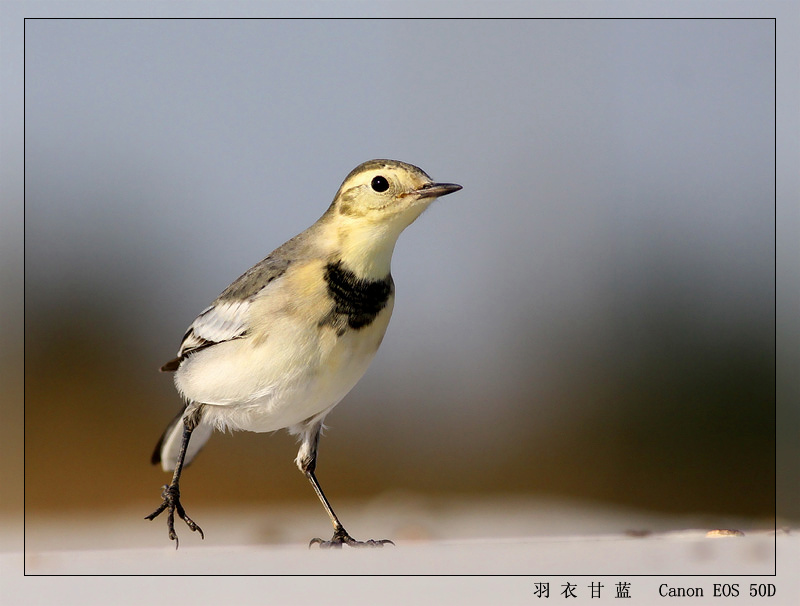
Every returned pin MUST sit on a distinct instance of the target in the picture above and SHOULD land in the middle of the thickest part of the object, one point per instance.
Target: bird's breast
(306, 348)
(355, 302)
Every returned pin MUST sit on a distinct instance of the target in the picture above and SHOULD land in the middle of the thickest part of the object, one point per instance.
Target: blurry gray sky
(166, 157)
(618, 204)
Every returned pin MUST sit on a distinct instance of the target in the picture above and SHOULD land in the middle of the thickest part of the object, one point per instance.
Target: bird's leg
(307, 462)
(171, 493)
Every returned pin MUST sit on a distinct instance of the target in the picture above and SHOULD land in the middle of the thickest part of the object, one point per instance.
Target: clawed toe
(172, 503)
(340, 537)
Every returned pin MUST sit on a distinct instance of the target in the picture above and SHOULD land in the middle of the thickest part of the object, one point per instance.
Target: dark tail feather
(172, 365)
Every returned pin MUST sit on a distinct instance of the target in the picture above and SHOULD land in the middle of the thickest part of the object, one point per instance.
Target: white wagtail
(283, 344)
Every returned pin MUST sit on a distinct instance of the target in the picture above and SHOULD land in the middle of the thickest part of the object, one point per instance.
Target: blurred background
(591, 320)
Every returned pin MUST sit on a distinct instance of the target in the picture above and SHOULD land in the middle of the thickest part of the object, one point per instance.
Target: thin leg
(307, 462)
(171, 493)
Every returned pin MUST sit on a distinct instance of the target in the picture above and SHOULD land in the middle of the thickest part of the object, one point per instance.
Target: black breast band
(356, 301)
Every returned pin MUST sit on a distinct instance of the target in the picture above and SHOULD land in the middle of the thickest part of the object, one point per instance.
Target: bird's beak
(434, 190)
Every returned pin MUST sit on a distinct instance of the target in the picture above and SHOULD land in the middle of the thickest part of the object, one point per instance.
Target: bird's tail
(169, 445)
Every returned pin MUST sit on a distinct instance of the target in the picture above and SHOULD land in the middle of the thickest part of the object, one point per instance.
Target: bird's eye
(380, 184)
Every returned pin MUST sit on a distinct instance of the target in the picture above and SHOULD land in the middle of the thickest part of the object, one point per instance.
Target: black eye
(380, 184)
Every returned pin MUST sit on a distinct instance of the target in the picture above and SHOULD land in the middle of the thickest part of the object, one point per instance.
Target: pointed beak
(434, 190)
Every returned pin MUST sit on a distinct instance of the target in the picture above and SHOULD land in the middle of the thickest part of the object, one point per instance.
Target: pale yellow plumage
(282, 345)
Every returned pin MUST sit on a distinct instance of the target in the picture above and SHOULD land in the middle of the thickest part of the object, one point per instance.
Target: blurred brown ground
(94, 407)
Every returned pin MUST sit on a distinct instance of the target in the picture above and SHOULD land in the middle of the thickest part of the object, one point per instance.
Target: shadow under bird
(283, 344)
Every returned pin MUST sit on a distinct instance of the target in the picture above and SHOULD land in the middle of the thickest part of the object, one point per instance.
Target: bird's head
(388, 191)
(374, 204)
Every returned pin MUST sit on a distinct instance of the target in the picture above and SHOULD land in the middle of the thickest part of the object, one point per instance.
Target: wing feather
(220, 322)
(223, 321)
(227, 317)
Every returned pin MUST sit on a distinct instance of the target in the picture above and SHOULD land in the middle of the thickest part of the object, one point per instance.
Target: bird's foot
(340, 537)
(172, 503)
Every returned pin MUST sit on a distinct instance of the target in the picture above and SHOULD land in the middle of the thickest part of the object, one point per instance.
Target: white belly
(296, 373)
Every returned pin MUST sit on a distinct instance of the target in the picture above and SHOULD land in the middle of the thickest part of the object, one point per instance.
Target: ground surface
(455, 553)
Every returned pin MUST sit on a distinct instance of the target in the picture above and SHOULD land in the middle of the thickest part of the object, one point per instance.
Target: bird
(284, 343)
